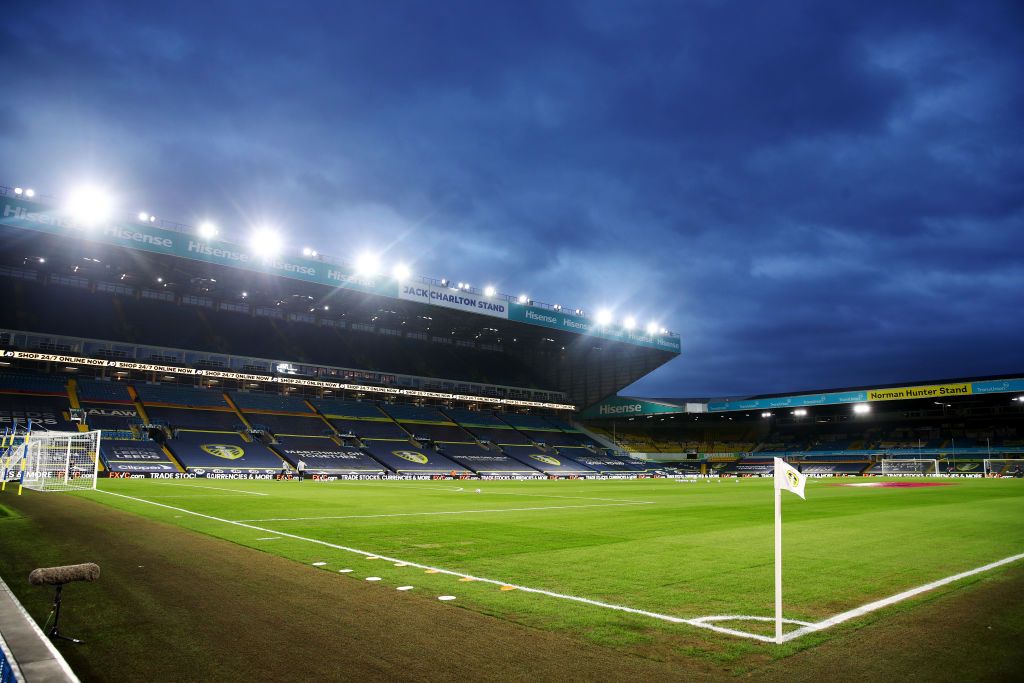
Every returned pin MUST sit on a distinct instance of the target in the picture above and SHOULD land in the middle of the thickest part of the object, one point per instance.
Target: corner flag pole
(778, 564)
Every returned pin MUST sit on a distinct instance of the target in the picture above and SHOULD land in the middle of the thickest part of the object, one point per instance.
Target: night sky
(812, 194)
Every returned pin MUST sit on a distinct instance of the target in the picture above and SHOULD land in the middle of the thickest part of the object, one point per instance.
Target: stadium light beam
(207, 230)
(604, 317)
(90, 205)
(265, 242)
(652, 328)
(401, 272)
(367, 264)
(629, 322)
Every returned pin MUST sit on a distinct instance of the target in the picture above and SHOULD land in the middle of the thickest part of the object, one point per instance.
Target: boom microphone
(58, 576)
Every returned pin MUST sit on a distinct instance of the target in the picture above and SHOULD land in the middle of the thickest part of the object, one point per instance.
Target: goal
(910, 467)
(59, 461)
(1004, 467)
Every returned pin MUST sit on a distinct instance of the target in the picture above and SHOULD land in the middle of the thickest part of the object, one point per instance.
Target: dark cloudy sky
(813, 194)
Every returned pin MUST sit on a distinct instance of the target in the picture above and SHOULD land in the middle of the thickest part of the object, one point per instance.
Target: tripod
(53, 633)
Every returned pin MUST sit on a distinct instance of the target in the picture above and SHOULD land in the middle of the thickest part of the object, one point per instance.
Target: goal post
(910, 467)
(60, 461)
(1004, 467)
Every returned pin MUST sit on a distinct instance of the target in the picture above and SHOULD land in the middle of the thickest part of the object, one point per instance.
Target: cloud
(811, 194)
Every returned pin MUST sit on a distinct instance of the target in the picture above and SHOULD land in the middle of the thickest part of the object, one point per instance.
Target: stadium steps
(72, 387)
(321, 416)
(231, 402)
(171, 457)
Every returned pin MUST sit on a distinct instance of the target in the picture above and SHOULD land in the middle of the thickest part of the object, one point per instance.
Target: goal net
(1004, 467)
(59, 461)
(910, 467)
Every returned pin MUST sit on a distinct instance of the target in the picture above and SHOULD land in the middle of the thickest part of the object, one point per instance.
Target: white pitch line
(699, 622)
(459, 489)
(893, 599)
(446, 512)
(217, 488)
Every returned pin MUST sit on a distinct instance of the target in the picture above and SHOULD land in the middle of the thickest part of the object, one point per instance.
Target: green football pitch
(611, 558)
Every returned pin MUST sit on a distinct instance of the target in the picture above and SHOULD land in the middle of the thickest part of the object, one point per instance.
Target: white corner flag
(786, 478)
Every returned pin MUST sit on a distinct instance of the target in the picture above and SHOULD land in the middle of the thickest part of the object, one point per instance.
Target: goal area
(54, 461)
(910, 467)
(1004, 467)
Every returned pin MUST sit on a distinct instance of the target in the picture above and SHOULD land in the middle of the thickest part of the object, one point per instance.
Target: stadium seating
(323, 455)
(174, 395)
(370, 429)
(50, 412)
(33, 383)
(485, 461)
(289, 424)
(549, 463)
(338, 408)
(222, 450)
(103, 391)
(195, 418)
(600, 462)
(402, 456)
(135, 456)
(473, 418)
(118, 417)
(249, 401)
(499, 436)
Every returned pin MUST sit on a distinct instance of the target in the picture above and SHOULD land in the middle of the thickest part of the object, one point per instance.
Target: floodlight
(523, 298)
(306, 251)
(29, 192)
(152, 219)
(18, 191)
(444, 282)
(557, 307)
(663, 331)
(862, 408)
(629, 322)
(42, 260)
(766, 414)
(265, 242)
(159, 279)
(652, 328)
(327, 308)
(207, 230)
(245, 294)
(800, 412)
(90, 205)
(143, 216)
(401, 272)
(604, 317)
(490, 291)
(367, 264)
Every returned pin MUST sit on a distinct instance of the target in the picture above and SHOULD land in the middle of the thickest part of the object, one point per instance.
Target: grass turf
(681, 549)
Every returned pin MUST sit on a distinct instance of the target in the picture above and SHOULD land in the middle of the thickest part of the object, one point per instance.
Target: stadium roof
(616, 406)
(570, 352)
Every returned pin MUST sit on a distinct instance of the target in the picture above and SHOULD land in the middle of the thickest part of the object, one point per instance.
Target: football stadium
(288, 465)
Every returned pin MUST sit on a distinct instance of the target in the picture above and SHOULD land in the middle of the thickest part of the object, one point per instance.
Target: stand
(53, 633)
